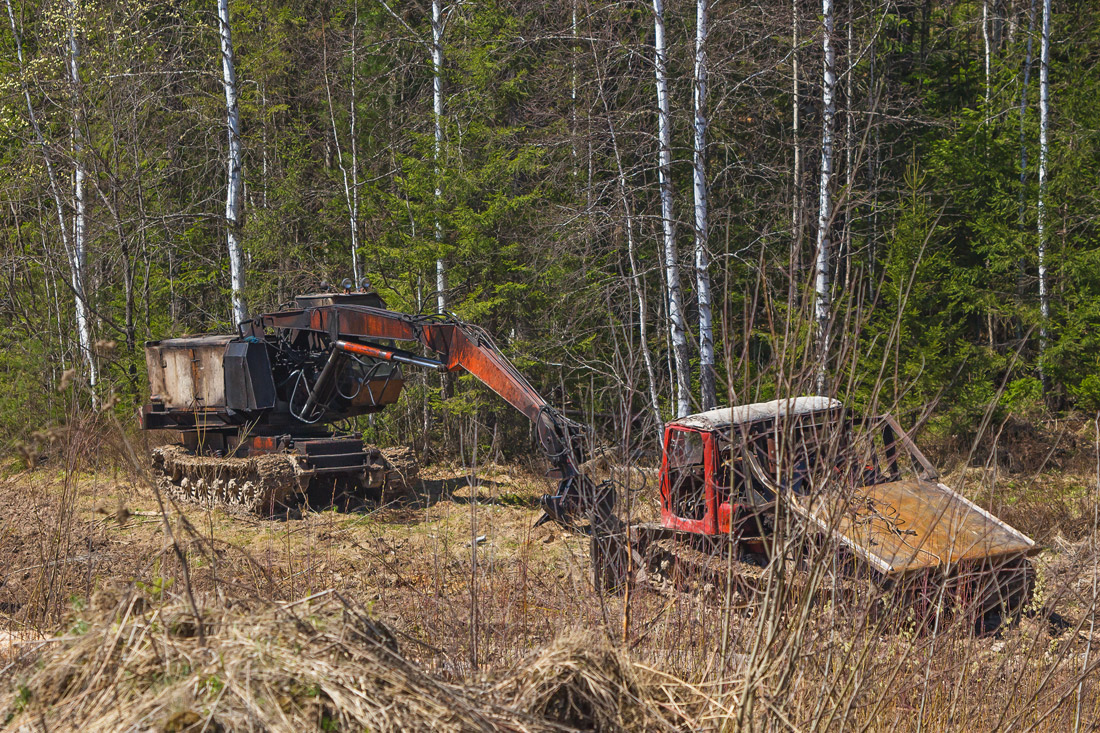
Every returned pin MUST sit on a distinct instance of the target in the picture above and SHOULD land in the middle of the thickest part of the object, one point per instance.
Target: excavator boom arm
(460, 346)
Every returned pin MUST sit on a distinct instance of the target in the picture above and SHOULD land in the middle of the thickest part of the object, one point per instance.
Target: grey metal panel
(249, 384)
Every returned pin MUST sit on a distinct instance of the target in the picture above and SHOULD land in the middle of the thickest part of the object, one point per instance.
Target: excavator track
(400, 469)
(668, 559)
(689, 568)
(684, 562)
(257, 484)
(264, 484)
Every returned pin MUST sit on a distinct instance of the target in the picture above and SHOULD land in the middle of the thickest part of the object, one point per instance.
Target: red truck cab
(704, 483)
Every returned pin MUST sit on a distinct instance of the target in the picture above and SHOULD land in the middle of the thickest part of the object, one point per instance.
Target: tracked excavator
(254, 411)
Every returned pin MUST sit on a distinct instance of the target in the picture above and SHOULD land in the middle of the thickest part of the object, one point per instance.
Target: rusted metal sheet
(187, 373)
(905, 522)
(902, 526)
(378, 393)
(343, 321)
(459, 345)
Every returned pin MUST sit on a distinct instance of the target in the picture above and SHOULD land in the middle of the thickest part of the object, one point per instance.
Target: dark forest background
(548, 166)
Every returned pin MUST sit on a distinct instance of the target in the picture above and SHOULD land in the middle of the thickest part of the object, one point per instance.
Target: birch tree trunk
(573, 93)
(638, 285)
(636, 282)
(1021, 286)
(986, 54)
(875, 161)
(233, 190)
(437, 112)
(1023, 108)
(849, 145)
(677, 331)
(351, 188)
(796, 206)
(78, 253)
(822, 284)
(702, 257)
(1044, 122)
(83, 334)
(356, 270)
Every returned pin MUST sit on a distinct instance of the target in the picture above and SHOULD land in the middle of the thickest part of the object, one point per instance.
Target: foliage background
(935, 270)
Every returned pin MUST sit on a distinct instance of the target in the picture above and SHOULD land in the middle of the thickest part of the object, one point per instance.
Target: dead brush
(318, 663)
(580, 681)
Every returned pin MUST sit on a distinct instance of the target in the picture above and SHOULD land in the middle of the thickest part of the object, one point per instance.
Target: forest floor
(470, 590)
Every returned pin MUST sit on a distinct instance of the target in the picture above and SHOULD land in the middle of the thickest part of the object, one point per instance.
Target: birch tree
(1023, 109)
(573, 92)
(233, 190)
(986, 54)
(437, 114)
(1021, 265)
(677, 330)
(75, 250)
(702, 257)
(822, 279)
(78, 253)
(351, 187)
(796, 133)
(849, 145)
(435, 50)
(631, 250)
(1044, 123)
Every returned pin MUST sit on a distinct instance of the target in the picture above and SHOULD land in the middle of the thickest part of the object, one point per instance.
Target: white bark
(636, 282)
(849, 173)
(354, 160)
(233, 190)
(75, 262)
(986, 53)
(1021, 277)
(822, 284)
(677, 331)
(796, 206)
(1023, 108)
(351, 187)
(635, 274)
(437, 112)
(78, 254)
(573, 92)
(1044, 122)
(263, 143)
(38, 134)
(702, 257)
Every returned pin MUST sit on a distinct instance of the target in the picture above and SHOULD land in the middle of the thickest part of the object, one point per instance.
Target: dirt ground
(448, 568)
(470, 588)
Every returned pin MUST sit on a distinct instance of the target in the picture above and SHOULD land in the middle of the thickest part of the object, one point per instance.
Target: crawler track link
(266, 484)
(258, 484)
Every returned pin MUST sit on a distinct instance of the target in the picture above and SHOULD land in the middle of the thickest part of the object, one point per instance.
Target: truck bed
(904, 526)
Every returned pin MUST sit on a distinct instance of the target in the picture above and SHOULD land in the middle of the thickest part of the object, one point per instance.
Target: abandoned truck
(860, 483)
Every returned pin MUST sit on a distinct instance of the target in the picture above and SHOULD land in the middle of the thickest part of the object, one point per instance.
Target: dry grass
(140, 663)
(505, 634)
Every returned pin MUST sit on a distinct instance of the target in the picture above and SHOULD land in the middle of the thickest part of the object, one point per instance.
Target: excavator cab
(712, 474)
